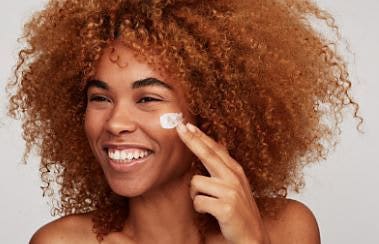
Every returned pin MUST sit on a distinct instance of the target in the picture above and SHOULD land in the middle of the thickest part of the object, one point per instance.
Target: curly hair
(258, 77)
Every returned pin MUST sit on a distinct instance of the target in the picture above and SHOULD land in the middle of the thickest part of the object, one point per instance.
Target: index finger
(207, 155)
(220, 150)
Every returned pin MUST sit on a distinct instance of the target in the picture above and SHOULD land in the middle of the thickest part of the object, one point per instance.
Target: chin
(127, 189)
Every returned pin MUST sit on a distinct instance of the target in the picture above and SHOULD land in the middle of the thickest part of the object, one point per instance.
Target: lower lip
(127, 167)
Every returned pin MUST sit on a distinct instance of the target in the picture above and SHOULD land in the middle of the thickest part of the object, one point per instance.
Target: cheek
(92, 124)
(167, 138)
(152, 122)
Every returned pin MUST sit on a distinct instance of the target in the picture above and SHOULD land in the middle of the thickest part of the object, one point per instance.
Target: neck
(165, 215)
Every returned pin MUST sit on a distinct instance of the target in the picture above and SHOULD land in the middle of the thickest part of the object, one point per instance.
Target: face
(124, 103)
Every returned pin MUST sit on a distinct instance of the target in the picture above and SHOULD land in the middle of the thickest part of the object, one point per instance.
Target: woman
(252, 80)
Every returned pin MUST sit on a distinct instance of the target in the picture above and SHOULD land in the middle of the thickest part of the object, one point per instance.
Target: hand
(228, 195)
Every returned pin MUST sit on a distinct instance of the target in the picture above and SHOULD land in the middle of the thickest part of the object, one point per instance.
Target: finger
(213, 206)
(210, 186)
(219, 149)
(238, 176)
(205, 204)
(212, 162)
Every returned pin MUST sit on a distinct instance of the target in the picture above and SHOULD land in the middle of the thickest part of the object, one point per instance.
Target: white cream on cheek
(170, 120)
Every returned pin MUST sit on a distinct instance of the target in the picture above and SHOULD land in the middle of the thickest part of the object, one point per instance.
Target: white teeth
(117, 155)
(129, 156)
(123, 154)
(126, 155)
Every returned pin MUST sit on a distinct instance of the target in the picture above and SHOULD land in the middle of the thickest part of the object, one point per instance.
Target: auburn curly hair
(255, 73)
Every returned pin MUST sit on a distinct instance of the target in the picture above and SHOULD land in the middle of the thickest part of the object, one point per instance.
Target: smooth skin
(163, 184)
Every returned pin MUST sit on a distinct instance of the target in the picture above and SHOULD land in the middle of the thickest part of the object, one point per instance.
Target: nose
(120, 121)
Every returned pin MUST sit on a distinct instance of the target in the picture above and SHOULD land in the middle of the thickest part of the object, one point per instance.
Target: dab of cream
(170, 120)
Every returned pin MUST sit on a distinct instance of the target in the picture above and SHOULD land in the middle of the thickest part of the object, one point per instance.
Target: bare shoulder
(69, 229)
(295, 223)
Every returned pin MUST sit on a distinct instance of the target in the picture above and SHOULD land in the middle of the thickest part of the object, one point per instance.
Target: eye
(96, 98)
(148, 99)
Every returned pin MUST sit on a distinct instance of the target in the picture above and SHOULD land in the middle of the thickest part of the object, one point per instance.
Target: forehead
(119, 63)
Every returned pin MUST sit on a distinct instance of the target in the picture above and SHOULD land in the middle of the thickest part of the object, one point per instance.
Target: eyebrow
(150, 81)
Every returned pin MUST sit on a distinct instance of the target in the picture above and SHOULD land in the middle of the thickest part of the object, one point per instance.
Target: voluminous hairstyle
(256, 75)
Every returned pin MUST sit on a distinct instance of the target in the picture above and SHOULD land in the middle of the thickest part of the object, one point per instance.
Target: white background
(342, 191)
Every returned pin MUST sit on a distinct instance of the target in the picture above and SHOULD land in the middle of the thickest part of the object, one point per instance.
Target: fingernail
(181, 127)
(191, 127)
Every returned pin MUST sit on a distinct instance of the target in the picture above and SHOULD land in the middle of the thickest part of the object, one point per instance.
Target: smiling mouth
(127, 155)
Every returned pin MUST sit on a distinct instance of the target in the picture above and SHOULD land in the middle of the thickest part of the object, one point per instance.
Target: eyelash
(149, 99)
(142, 100)
(98, 99)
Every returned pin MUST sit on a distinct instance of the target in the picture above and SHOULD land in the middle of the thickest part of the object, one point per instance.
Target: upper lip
(121, 146)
